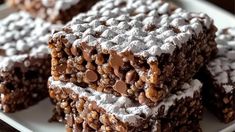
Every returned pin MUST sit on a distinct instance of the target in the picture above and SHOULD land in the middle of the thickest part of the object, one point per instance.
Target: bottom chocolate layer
(87, 110)
(24, 84)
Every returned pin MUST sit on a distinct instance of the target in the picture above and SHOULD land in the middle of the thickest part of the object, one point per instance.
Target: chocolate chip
(130, 76)
(117, 73)
(86, 55)
(115, 60)
(120, 87)
(91, 76)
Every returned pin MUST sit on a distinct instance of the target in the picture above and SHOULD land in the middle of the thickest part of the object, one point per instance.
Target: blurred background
(228, 5)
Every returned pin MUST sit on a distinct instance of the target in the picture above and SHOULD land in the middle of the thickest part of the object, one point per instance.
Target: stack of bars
(25, 58)
(127, 65)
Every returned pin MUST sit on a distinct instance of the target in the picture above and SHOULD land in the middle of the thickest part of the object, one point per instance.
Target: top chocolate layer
(223, 66)
(147, 28)
(22, 37)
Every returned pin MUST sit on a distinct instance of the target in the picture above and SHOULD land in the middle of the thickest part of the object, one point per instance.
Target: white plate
(36, 117)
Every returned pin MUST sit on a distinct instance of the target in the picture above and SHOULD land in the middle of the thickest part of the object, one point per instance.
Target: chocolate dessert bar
(55, 11)
(90, 110)
(219, 78)
(24, 61)
(142, 49)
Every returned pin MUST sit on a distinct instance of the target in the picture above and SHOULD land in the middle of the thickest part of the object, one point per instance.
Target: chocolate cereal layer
(219, 78)
(90, 110)
(55, 11)
(139, 49)
(24, 61)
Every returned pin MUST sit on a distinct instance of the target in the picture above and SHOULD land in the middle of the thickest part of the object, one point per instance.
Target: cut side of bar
(88, 110)
(25, 61)
(55, 11)
(219, 78)
(139, 49)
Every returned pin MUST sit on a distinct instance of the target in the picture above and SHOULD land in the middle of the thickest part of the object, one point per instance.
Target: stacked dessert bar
(142, 54)
(126, 65)
(219, 78)
(25, 58)
(89, 110)
(55, 11)
(25, 61)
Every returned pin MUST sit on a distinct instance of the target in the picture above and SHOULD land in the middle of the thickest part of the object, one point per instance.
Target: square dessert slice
(142, 49)
(219, 78)
(24, 61)
(55, 11)
(90, 110)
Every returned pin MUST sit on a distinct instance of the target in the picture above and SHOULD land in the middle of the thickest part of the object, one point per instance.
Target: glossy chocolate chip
(120, 86)
(86, 55)
(116, 61)
(130, 76)
(91, 76)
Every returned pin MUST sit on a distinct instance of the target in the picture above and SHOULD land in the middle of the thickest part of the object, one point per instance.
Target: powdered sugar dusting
(122, 107)
(22, 36)
(129, 27)
(223, 67)
(228, 88)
